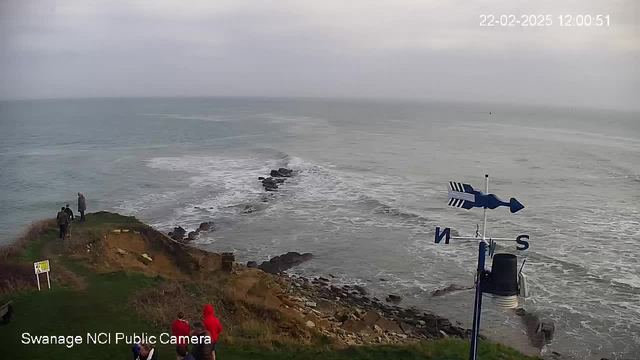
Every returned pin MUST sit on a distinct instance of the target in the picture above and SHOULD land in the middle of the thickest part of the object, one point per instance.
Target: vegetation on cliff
(103, 283)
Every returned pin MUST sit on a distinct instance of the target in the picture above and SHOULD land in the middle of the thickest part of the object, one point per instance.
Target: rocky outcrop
(539, 331)
(178, 233)
(228, 258)
(252, 265)
(270, 184)
(355, 318)
(206, 226)
(394, 298)
(282, 172)
(284, 262)
(276, 177)
(450, 289)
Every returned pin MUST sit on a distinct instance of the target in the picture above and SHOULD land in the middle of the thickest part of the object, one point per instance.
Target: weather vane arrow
(464, 196)
(502, 280)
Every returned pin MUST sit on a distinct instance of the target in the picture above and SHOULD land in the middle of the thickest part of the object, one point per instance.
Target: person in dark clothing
(69, 212)
(183, 354)
(201, 350)
(62, 219)
(136, 351)
(148, 352)
(82, 206)
(71, 218)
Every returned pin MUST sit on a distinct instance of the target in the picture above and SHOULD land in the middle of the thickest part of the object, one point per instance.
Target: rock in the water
(394, 298)
(360, 289)
(252, 265)
(282, 172)
(206, 226)
(192, 235)
(285, 172)
(548, 328)
(178, 233)
(449, 289)
(248, 209)
(284, 262)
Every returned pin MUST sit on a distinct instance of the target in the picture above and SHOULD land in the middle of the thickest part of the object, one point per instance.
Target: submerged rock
(450, 289)
(252, 265)
(394, 298)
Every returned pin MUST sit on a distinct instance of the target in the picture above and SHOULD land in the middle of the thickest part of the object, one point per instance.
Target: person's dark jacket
(69, 213)
(155, 355)
(202, 351)
(82, 203)
(62, 218)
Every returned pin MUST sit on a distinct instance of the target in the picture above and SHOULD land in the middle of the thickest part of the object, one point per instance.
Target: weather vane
(503, 281)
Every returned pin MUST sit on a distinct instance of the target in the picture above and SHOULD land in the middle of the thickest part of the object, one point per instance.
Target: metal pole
(484, 222)
(38, 280)
(477, 307)
(48, 280)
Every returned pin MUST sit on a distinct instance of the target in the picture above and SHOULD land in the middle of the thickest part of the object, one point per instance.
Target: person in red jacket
(212, 325)
(180, 327)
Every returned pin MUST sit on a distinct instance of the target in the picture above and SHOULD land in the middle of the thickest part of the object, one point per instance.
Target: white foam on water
(216, 184)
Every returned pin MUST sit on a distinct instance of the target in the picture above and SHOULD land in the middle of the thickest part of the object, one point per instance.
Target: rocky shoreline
(348, 313)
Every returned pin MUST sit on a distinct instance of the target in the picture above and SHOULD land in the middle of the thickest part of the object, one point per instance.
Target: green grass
(104, 307)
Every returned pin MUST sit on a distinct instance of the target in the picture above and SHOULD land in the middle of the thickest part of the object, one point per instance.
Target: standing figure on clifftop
(201, 349)
(213, 326)
(181, 330)
(62, 219)
(71, 218)
(82, 206)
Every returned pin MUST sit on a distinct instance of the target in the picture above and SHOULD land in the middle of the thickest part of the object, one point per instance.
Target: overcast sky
(429, 49)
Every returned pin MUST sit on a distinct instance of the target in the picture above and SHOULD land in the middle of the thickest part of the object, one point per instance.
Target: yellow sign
(41, 266)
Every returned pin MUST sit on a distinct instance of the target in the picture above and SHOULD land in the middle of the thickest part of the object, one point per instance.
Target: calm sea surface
(370, 189)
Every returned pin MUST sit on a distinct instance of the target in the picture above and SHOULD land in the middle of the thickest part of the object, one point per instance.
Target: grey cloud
(402, 49)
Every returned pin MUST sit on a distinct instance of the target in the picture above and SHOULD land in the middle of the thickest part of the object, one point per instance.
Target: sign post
(42, 267)
(464, 196)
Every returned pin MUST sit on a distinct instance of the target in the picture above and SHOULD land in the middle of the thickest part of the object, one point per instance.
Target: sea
(369, 189)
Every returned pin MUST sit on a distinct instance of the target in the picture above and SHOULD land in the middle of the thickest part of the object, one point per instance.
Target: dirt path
(61, 275)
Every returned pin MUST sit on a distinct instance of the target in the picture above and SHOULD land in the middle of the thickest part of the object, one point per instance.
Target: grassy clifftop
(102, 283)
